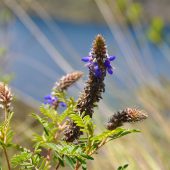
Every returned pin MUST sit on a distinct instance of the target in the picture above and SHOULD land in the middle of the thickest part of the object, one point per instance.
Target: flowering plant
(68, 138)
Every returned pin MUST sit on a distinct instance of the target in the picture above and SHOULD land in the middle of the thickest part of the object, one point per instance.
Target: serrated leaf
(69, 162)
(113, 134)
(87, 156)
(20, 158)
(49, 112)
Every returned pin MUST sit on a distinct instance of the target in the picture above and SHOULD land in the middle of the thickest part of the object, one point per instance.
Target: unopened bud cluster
(5, 97)
(66, 81)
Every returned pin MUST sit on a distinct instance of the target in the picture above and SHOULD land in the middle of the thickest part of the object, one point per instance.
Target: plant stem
(48, 157)
(58, 165)
(99, 146)
(6, 113)
(77, 165)
(5, 151)
(7, 159)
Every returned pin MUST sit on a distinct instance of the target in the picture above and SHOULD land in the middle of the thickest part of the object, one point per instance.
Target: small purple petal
(62, 104)
(109, 70)
(86, 59)
(107, 63)
(97, 71)
(95, 64)
(111, 58)
(47, 97)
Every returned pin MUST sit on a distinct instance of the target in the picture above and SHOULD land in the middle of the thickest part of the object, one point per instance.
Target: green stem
(6, 113)
(7, 159)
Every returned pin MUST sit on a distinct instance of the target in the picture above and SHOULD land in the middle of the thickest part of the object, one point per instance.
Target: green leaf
(69, 162)
(43, 122)
(49, 112)
(87, 156)
(113, 134)
(20, 158)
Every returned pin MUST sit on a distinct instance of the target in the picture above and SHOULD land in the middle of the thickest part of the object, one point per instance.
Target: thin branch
(7, 159)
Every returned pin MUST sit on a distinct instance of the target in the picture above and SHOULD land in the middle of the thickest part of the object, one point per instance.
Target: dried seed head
(126, 115)
(5, 97)
(71, 132)
(67, 81)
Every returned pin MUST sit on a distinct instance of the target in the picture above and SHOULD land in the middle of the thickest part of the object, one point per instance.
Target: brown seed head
(67, 81)
(124, 116)
(5, 96)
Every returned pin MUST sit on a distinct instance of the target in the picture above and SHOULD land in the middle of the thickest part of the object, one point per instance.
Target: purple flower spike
(86, 59)
(111, 58)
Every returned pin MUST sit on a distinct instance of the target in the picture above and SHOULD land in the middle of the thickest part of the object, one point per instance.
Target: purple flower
(97, 71)
(52, 100)
(49, 99)
(92, 64)
(62, 104)
(86, 59)
(111, 58)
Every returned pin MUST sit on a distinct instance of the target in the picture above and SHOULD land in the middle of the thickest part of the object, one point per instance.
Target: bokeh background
(41, 40)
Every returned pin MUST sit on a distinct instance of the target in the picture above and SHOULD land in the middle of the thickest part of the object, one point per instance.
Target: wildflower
(53, 101)
(5, 97)
(98, 63)
(124, 116)
(49, 99)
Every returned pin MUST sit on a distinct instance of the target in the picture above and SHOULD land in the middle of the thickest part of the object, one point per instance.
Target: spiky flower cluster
(98, 64)
(65, 82)
(124, 116)
(5, 97)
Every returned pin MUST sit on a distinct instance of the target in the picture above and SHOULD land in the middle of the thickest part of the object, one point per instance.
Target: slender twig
(5, 151)
(77, 165)
(7, 159)
(98, 147)
(58, 165)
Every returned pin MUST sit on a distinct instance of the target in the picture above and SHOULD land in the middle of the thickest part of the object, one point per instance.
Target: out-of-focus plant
(68, 130)
(156, 30)
(131, 11)
(3, 77)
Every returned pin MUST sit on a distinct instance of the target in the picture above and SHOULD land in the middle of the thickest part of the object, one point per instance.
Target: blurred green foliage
(156, 30)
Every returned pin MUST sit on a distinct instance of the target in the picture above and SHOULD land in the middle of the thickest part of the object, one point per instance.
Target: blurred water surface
(35, 71)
